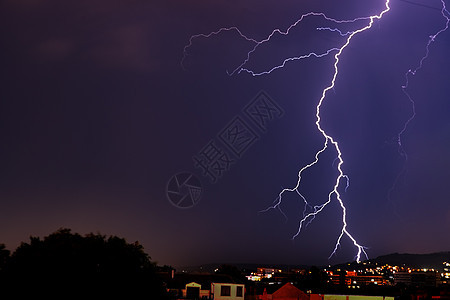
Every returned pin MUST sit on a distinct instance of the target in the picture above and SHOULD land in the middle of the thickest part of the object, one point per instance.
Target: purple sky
(97, 115)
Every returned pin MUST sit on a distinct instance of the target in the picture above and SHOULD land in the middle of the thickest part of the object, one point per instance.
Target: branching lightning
(328, 139)
(257, 44)
(411, 72)
(341, 180)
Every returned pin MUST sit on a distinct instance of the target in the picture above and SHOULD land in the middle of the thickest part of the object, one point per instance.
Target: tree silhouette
(4, 256)
(67, 264)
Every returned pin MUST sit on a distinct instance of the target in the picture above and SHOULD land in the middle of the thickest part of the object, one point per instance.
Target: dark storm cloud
(97, 115)
(113, 35)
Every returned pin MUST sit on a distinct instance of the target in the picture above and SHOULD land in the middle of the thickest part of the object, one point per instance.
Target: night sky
(97, 115)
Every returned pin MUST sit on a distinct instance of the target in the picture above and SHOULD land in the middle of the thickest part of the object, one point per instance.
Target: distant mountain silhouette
(210, 268)
(431, 260)
(418, 261)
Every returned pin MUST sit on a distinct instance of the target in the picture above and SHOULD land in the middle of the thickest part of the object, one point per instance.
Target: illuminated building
(446, 273)
(194, 290)
(417, 278)
(355, 280)
(267, 272)
(221, 291)
(199, 286)
(253, 277)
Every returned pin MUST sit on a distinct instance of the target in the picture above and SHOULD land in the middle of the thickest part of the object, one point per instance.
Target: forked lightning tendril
(362, 24)
(411, 72)
(329, 141)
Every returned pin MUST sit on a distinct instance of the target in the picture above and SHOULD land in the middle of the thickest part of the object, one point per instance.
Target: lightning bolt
(329, 142)
(257, 44)
(412, 72)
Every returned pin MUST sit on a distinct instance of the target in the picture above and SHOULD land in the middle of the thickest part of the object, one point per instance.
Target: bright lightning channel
(329, 141)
